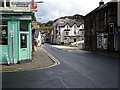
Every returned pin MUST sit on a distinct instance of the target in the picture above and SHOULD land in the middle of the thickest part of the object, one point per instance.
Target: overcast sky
(52, 9)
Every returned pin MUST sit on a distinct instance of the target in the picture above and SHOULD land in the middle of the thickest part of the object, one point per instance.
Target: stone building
(101, 29)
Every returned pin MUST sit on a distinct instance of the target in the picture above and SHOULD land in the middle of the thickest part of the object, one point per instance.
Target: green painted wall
(16, 39)
(3, 51)
(9, 49)
(30, 42)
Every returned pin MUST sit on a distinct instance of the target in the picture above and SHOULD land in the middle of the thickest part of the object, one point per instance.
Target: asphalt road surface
(77, 70)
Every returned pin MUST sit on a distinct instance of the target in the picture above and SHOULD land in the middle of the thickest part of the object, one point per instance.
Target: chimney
(101, 3)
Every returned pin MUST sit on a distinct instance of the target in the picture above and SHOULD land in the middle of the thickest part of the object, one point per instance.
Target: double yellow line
(56, 62)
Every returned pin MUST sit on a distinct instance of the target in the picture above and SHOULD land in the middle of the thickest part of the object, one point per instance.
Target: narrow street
(76, 70)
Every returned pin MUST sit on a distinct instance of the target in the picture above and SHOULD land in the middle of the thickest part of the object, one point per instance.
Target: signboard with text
(16, 17)
(21, 4)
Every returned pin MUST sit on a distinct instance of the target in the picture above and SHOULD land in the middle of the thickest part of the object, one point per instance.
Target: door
(24, 46)
(74, 39)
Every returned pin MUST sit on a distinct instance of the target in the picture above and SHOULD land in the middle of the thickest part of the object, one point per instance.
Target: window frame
(75, 33)
(7, 34)
(67, 33)
(2, 4)
(27, 27)
(9, 4)
(75, 26)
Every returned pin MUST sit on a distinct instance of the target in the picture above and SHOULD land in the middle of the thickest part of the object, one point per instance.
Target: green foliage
(45, 29)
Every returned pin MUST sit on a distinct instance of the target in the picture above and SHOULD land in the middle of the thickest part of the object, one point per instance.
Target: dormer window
(1, 3)
(75, 27)
(67, 27)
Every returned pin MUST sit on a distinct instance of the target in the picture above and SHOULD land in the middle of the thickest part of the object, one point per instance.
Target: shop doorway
(24, 46)
(74, 39)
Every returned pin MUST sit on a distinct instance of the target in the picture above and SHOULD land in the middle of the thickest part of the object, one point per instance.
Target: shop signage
(24, 17)
(21, 4)
(4, 17)
(16, 17)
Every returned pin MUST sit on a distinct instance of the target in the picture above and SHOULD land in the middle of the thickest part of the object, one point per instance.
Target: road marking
(53, 58)
(56, 62)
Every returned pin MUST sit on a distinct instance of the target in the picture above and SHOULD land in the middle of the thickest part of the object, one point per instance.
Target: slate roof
(63, 22)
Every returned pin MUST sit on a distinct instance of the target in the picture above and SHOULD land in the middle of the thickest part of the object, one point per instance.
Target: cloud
(52, 9)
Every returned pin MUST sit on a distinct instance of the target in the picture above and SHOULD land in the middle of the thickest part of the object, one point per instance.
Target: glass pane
(23, 27)
(1, 3)
(23, 41)
(4, 22)
(3, 35)
(7, 3)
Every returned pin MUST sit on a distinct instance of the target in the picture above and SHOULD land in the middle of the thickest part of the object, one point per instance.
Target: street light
(39, 2)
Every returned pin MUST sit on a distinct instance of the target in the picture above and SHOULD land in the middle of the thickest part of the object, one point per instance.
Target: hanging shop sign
(34, 7)
(21, 4)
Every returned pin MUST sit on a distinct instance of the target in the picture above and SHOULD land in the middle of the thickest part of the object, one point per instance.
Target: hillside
(48, 26)
(77, 17)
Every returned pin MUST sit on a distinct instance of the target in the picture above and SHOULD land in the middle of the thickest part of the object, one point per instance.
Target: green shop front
(15, 37)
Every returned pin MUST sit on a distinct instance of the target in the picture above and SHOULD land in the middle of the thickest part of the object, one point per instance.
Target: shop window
(23, 27)
(1, 3)
(7, 3)
(3, 33)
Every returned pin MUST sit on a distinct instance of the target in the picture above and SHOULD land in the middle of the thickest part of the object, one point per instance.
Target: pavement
(40, 61)
(78, 50)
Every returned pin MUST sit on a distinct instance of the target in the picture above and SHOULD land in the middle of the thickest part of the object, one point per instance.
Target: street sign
(33, 7)
(32, 3)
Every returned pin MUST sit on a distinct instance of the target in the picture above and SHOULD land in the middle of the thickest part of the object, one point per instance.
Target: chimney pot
(101, 2)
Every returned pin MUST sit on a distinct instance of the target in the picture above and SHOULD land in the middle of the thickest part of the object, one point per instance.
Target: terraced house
(15, 31)
(67, 31)
(101, 29)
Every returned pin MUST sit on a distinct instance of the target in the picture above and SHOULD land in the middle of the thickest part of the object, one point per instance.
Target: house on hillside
(67, 31)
